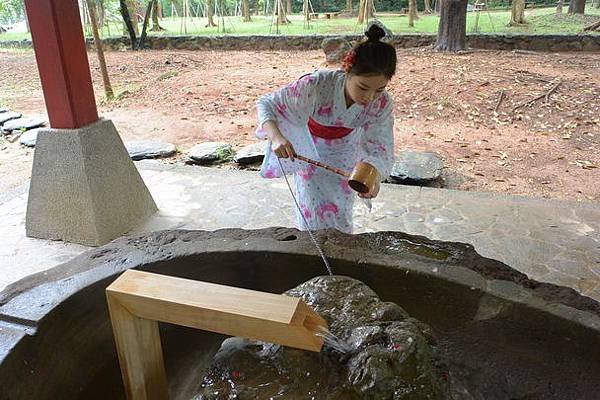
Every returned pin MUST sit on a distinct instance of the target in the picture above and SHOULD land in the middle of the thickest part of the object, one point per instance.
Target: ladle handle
(324, 166)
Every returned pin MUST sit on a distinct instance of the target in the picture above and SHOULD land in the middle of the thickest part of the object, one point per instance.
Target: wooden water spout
(138, 300)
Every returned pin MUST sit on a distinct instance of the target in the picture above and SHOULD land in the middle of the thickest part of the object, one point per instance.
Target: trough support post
(138, 300)
(140, 354)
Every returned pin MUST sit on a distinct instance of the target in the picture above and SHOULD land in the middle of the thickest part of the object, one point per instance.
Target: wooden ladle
(362, 179)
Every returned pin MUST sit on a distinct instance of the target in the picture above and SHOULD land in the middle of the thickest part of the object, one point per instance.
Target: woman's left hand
(372, 194)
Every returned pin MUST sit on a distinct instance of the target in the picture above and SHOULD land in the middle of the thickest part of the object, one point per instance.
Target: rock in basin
(381, 353)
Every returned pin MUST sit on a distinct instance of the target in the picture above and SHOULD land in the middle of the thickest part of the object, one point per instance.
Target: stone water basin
(502, 335)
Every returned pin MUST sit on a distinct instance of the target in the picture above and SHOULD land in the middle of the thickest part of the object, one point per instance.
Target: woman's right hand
(282, 147)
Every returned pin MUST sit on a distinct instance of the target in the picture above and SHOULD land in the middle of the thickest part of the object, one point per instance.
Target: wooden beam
(62, 62)
(140, 354)
(137, 300)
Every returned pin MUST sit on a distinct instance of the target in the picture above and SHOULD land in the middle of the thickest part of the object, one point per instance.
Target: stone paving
(551, 241)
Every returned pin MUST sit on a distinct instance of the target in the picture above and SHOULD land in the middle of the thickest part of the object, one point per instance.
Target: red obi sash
(327, 132)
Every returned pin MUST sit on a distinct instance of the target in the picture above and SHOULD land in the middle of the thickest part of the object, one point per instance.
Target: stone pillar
(84, 186)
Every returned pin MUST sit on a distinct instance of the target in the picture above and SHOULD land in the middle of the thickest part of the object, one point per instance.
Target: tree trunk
(246, 11)
(576, 7)
(453, 26)
(349, 7)
(132, 10)
(289, 7)
(281, 17)
(412, 12)
(155, 15)
(99, 50)
(140, 44)
(517, 15)
(128, 24)
(361, 11)
(438, 6)
(427, 7)
(101, 13)
(210, 10)
(559, 7)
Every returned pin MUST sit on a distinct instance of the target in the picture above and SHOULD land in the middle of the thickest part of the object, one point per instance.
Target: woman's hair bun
(374, 33)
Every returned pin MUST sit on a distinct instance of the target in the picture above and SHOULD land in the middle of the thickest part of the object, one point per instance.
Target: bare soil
(448, 104)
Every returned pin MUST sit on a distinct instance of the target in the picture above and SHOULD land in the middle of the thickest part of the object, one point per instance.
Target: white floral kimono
(325, 198)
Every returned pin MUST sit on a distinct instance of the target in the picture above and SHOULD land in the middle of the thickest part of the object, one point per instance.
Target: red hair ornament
(349, 61)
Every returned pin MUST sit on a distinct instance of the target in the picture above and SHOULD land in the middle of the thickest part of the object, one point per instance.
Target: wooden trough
(138, 300)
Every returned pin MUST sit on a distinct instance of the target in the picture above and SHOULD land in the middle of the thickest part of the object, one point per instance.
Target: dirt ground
(448, 104)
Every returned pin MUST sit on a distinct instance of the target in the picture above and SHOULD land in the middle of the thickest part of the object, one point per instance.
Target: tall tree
(108, 91)
(128, 24)
(156, 13)
(452, 27)
(576, 7)
(349, 7)
(427, 7)
(133, 14)
(412, 12)
(365, 10)
(517, 14)
(140, 44)
(361, 11)
(100, 12)
(281, 15)
(210, 11)
(559, 7)
(289, 7)
(246, 11)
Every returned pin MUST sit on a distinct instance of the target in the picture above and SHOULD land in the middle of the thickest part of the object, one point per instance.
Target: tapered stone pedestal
(84, 186)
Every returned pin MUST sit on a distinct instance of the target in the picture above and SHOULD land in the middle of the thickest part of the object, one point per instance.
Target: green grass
(14, 36)
(541, 20)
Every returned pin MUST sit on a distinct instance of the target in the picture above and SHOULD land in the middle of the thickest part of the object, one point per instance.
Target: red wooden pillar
(62, 62)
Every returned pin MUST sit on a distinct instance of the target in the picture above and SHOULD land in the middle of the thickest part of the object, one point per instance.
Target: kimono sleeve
(377, 141)
(293, 104)
(290, 107)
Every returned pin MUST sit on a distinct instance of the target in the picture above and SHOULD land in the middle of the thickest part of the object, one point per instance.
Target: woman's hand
(373, 193)
(280, 145)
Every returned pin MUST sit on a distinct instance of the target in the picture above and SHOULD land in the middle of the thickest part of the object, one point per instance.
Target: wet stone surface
(376, 351)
